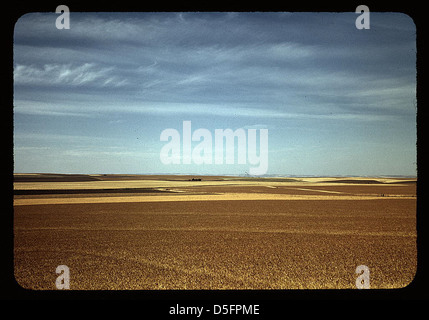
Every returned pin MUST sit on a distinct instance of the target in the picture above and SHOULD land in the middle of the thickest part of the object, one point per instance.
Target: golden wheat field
(135, 232)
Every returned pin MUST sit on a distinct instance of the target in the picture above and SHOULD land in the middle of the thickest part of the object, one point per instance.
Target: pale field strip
(326, 191)
(174, 184)
(193, 197)
(162, 185)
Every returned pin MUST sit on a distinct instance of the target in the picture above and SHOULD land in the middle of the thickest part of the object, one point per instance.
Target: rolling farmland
(128, 232)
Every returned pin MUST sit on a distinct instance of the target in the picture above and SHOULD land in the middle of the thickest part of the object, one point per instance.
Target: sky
(333, 99)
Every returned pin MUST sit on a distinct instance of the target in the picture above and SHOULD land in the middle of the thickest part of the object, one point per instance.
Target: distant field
(126, 232)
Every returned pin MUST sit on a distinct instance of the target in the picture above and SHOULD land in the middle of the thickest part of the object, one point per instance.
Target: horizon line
(226, 175)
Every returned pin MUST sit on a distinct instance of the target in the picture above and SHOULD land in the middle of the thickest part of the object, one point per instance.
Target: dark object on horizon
(195, 179)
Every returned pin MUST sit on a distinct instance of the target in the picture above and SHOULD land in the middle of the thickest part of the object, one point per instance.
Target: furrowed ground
(146, 232)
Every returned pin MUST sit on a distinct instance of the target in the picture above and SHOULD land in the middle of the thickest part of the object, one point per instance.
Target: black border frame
(271, 302)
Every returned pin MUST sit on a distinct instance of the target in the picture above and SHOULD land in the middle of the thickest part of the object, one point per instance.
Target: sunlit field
(127, 232)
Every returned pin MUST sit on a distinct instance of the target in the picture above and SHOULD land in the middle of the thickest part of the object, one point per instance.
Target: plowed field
(214, 234)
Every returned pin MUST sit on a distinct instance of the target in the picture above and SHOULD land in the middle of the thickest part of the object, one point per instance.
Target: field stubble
(228, 244)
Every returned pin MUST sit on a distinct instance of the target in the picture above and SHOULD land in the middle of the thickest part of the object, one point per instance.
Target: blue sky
(335, 100)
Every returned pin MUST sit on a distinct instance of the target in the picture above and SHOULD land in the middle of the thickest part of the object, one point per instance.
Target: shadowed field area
(167, 232)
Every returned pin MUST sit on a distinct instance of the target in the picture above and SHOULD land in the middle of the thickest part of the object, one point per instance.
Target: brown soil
(225, 244)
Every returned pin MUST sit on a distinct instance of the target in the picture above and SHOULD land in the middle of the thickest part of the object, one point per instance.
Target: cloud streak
(188, 58)
(67, 75)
